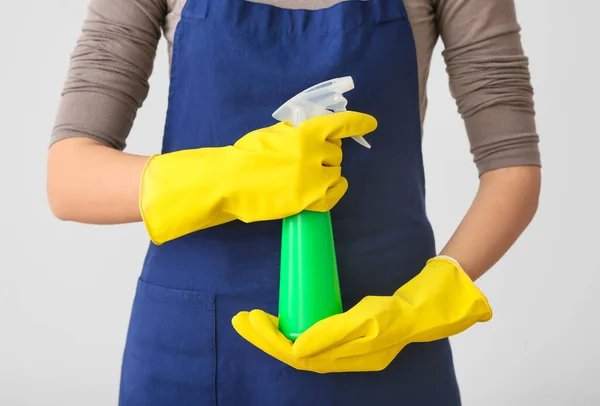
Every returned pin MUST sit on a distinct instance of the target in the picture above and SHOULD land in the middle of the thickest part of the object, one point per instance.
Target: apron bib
(234, 63)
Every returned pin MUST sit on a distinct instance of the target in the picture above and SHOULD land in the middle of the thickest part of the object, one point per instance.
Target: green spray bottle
(309, 288)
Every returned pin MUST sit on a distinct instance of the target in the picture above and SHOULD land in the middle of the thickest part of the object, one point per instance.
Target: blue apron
(234, 63)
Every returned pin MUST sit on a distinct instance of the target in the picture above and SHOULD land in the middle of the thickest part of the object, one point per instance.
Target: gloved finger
(335, 141)
(331, 333)
(242, 324)
(342, 361)
(332, 196)
(357, 347)
(266, 324)
(332, 154)
(266, 138)
(340, 125)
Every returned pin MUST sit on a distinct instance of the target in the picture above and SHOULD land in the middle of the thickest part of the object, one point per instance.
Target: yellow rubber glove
(260, 329)
(268, 174)
(439, 302)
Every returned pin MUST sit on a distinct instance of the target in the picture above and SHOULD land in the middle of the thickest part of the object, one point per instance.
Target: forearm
(88, 182)
(504, 206)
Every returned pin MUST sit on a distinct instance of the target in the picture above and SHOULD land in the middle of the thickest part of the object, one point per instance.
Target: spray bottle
(309, 288)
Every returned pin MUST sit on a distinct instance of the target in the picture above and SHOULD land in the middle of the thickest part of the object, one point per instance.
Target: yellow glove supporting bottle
(269, 174)
(439, 302)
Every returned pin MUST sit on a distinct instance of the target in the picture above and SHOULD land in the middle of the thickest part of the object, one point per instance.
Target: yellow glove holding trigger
(268, 174)
(439, 302)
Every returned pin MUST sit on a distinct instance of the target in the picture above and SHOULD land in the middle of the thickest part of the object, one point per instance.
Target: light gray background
(66, 289)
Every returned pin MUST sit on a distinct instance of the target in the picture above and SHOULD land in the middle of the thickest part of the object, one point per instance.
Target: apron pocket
(169, 356)
(245, 374)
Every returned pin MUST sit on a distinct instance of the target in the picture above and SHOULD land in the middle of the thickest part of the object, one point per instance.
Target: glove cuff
(449, 258)
(182, 192)
(443, 276)
(141, 201)
(461, 278)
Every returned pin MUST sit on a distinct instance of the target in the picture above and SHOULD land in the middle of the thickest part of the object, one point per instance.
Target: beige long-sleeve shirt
(488, 71)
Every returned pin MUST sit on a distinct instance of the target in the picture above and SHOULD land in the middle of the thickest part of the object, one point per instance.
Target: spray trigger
(318, 100)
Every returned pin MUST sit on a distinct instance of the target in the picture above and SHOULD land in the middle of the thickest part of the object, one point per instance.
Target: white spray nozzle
(318, 100)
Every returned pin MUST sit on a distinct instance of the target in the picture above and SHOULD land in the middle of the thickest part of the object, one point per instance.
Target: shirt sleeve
(490, 80)
(109, 69)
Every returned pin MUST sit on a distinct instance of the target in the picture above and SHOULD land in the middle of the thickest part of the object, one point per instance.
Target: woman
(227, 171)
